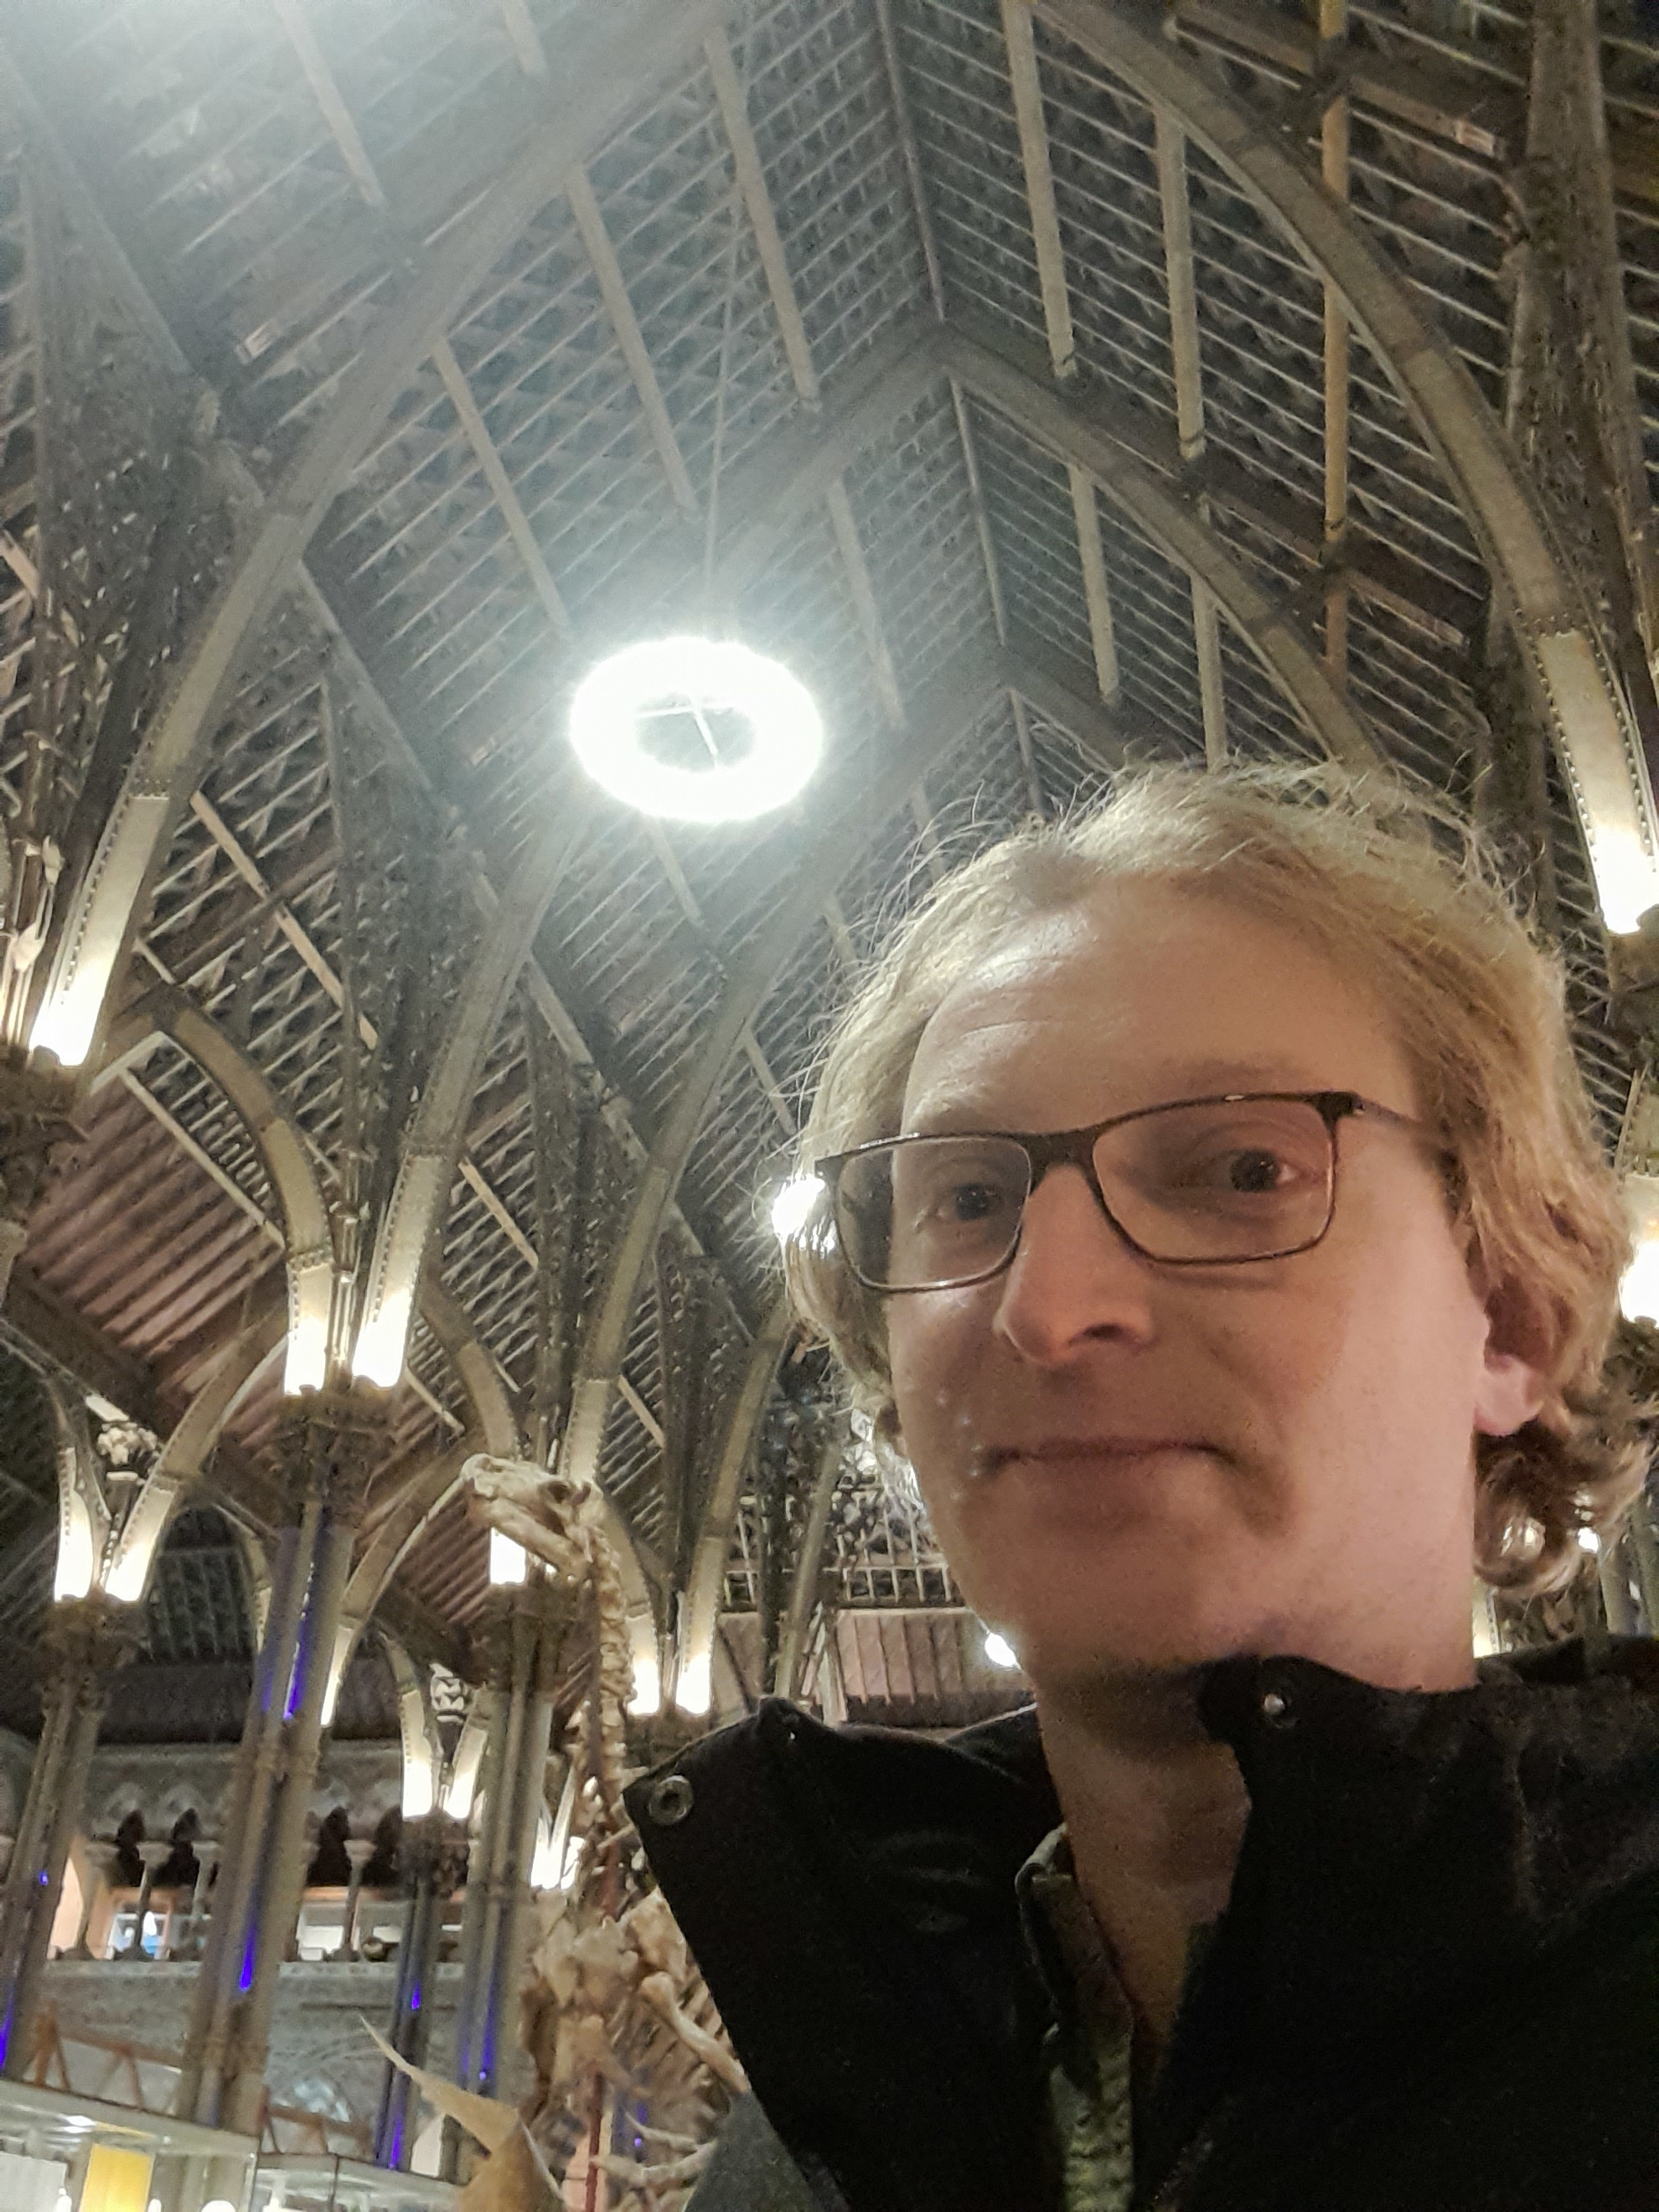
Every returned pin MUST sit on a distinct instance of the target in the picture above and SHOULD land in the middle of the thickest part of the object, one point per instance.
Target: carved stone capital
(435, 1851)
(39, 1133)
(332, 1441)
(85, 1640)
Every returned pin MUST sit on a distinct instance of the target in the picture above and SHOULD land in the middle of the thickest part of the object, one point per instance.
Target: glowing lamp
(794, 1206)
(647, 1686)
(999, 1651)
(545, 1867)
(75, 1560)
(304, 1365)
(509, 1563)
(694, 1691)
(1627, 877)
(379, 1357)
(697, 729)
(417, 1790)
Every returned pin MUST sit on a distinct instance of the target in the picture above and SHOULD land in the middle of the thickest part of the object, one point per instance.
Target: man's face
(1134, 1466)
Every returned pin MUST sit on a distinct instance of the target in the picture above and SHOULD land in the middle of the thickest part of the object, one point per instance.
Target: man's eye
(971, 1201)
(1256, 1170)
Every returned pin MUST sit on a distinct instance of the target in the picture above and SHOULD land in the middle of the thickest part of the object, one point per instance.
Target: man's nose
(1073, 1280)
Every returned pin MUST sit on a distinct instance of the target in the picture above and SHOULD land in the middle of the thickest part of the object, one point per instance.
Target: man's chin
(1063, 1654)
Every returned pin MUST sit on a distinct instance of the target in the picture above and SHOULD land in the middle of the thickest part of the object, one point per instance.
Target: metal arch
(1175, 526)
(78, 1484)
(423, 1495)
(607, 71)
(411, 1510)
(310, 1248)
(703, 1592)
(1551, 617)
(184, 1454)
(938, 722)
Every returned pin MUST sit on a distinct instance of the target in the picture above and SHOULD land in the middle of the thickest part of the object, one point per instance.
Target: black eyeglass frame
(1076, 1148)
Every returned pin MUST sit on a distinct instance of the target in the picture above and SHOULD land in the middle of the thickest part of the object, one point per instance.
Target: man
(1212, 1223)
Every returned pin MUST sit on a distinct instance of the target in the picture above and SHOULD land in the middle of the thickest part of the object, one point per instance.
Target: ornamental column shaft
(523, 1636)
(433, 1848)
(87, 1639)
(333, 1440)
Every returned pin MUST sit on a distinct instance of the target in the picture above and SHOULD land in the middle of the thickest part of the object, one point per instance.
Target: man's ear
(1514, 1363)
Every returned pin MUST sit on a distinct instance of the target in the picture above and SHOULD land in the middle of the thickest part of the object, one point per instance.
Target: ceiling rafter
(294, 20)
(904, 126)
(757, 198)
(501, 490)
(1019, 38)
(613, 291)
(1175, 205)
(1097, 591)
(526, 39)
(1333, 142)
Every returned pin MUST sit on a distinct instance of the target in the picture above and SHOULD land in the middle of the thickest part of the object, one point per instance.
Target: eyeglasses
(1203, 1182)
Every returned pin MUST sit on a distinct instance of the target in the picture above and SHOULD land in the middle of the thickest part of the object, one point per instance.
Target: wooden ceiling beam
(730, 95)
(291, 14)
(526, 39)
(613, 292)
(1170, 154)
(1019, 38)
(1097, 591)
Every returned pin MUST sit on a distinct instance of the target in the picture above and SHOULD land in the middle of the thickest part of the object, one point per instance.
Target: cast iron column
(433, 1849)
(523, 1638)
(87, 1638)
(333, 1440)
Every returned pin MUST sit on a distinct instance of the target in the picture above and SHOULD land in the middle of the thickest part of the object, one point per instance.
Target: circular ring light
(754, 725)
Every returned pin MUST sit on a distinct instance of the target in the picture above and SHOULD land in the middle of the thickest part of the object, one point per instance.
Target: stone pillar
(82, 1949)
(87, 1639)
(150, 1856)
(523, 1635)
(189, 1945)
(433, 1849)
(38, 1137)
(359, 1851)
(333, 1440)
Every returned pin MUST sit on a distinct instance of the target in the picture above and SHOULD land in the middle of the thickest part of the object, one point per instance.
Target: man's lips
(1064, 1454)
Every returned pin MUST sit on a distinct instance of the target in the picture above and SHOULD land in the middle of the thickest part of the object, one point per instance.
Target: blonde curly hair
(1400, 894)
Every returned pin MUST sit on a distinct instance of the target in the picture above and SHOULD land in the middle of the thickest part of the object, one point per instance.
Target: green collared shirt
(1090, 2050)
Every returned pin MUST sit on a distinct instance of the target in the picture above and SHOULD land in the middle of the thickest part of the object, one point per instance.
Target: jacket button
(670, 1800)
(1276, 1709)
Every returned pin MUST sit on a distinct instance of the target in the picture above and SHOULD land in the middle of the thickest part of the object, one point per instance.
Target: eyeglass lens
(1234, 1180)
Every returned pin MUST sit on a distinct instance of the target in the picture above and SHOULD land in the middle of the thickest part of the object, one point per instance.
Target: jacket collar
(1404, 1852)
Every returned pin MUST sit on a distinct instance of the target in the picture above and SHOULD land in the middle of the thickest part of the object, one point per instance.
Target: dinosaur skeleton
(612, 2003)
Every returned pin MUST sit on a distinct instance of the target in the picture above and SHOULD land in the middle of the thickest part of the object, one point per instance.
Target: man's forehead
(1240, 1001)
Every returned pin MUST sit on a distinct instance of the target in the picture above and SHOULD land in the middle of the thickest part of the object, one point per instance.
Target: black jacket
(1435, 1988)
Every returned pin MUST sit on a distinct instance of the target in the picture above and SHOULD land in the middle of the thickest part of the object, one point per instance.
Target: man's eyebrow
(1204, 1079)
